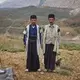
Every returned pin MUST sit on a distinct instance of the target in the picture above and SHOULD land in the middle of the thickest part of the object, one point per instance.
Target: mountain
(16, 16)
(51, 3)
(75, 12)
(27, 11)
(62, 3)
(19, 3)
(13, 20)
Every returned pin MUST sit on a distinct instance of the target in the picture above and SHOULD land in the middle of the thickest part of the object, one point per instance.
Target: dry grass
(16, 58)
(73, 31)
(69, 68)
(11, 44)
(70, 46)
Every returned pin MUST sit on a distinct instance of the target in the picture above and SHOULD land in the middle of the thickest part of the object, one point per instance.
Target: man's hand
(24, 46)
(44, 54)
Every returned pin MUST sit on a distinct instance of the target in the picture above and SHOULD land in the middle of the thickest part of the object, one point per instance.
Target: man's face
(51, 20)
(33, 21)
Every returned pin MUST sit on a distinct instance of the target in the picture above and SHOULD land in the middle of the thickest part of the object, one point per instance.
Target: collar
(52, 26)
(32, 26)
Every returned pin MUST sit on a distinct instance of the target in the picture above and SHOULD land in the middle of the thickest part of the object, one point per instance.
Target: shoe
(39, 70)
(26, 70)
(54, 71)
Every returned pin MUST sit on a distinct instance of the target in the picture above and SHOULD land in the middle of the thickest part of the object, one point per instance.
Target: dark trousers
(32, 56)
(49, 57)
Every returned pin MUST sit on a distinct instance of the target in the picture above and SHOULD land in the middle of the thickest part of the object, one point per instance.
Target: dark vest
(33, 32)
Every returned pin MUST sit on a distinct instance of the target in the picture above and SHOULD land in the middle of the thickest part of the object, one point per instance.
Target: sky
(1, 1)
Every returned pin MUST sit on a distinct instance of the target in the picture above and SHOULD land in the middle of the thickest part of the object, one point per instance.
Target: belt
(32, 37)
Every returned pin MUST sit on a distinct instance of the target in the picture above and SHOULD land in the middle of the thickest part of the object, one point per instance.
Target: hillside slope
(63, 3)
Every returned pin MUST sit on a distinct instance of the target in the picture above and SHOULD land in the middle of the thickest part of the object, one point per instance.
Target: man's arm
(59, 34)
(40, 35)
(44, 38)
(57, 40)
(24, 37)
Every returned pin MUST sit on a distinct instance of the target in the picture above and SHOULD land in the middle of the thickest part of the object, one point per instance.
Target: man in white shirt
(51, 40)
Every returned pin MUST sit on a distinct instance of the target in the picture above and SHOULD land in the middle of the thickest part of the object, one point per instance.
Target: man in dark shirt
(32, 42)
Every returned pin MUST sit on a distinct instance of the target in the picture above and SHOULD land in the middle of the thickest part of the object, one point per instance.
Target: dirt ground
(70, 66)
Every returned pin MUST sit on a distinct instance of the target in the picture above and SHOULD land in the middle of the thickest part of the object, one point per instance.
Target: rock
(75, 12)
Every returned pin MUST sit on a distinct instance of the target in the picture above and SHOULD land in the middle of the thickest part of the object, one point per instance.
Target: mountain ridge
(51, 3)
